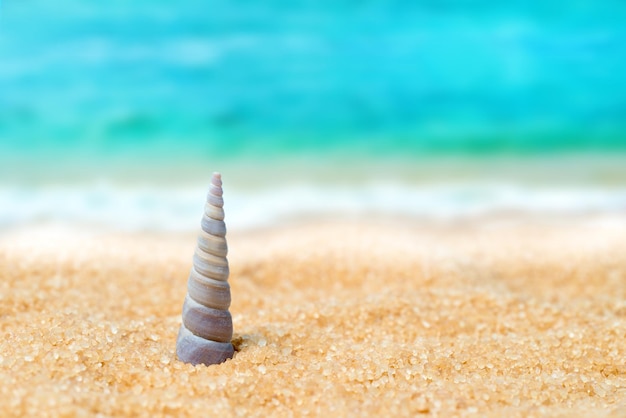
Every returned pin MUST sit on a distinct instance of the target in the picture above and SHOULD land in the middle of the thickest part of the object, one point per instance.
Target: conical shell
(207, 326)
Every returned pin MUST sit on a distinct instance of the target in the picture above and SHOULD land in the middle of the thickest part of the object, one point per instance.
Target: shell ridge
(212, 244)
(213, 212)
(213, 226)
(209, 292)
(196, 350)
(208, 323)
(209, 270)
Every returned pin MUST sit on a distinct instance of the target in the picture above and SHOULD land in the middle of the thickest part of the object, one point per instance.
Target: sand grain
(351, 320)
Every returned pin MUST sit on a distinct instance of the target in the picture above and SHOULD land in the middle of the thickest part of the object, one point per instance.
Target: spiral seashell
(207, 327)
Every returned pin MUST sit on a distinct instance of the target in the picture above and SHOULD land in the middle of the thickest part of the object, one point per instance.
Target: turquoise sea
(414, 108)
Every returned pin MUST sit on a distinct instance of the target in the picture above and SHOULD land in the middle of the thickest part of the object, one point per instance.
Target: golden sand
(378, 319)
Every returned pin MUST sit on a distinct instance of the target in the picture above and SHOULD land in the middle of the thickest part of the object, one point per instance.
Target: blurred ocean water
(161, 90)
(241, 78)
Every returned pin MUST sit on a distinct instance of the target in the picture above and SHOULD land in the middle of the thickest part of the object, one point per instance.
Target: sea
(116, 113)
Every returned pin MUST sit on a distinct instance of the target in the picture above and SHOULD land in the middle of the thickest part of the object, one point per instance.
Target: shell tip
(216, 179)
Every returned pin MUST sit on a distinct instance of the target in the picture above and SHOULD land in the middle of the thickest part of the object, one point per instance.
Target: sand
(379, 318)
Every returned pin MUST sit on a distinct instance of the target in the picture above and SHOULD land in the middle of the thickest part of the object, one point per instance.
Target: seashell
(207, 327)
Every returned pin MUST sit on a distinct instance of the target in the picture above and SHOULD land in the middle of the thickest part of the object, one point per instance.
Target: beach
(501, 316)
(425, 203)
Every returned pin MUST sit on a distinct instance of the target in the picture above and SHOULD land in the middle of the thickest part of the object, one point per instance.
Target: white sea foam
(180, 209)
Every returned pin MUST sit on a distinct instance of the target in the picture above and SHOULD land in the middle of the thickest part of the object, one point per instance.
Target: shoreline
(340, 168)
(105, 206)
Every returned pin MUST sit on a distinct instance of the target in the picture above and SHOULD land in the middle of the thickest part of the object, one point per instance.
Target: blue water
(163, 90)
(193, 79)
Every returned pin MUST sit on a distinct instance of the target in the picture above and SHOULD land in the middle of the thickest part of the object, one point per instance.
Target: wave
(180, 208)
